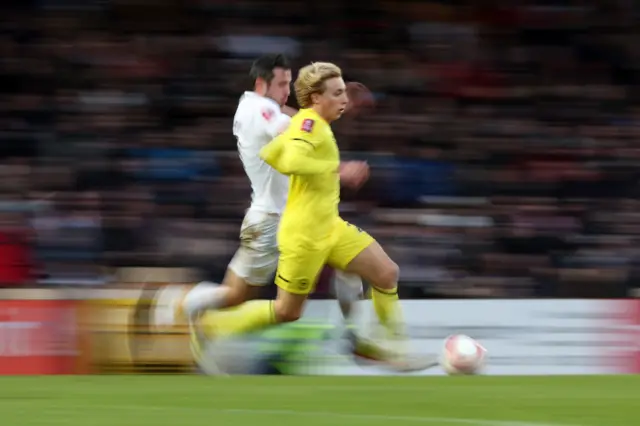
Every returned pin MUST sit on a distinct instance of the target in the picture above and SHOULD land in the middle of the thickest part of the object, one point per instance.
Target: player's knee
(388, 276)
(238, 289)
(286, 312)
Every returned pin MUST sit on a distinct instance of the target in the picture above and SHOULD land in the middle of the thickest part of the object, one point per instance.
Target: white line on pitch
(331, 414)
(386, 418)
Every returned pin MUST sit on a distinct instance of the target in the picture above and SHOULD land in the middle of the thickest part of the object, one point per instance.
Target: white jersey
(257, 121)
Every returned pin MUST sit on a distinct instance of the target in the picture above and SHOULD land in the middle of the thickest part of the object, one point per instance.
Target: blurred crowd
(503, 143)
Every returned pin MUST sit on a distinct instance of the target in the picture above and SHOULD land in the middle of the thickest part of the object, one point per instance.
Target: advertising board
(522, 337)
(38, 337)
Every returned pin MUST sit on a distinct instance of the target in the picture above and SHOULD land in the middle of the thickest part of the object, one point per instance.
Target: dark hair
(264, 65)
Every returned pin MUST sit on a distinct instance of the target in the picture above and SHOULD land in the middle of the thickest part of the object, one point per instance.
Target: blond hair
(311, 80)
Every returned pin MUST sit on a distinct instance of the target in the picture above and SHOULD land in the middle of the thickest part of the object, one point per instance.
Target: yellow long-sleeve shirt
(308, 153)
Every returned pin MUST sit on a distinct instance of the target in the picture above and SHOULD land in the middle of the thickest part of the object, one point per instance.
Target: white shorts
(257, 258)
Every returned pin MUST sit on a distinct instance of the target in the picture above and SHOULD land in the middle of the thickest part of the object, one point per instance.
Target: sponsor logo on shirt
(307, 125)
(268, 113)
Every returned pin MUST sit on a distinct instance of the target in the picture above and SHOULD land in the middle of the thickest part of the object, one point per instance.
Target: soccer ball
(462, 355)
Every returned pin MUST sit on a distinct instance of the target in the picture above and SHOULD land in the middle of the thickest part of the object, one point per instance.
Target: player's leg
(349, 242)
(251, 268)
(296, 276)
(247, 317)
(206, 295)
(215, 326)
(356, 252)
(348, 290)
(242, 281)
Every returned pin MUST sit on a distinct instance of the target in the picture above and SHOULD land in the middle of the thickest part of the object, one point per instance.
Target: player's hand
(353, 174)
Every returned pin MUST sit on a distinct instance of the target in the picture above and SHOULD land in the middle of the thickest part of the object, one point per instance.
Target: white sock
(347, 287)
(348, 290)
(206, 295)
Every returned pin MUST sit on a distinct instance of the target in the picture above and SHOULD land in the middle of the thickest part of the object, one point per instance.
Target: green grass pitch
(315, 401)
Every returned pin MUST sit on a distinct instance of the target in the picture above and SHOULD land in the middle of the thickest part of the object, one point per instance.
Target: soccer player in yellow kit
(311, 231)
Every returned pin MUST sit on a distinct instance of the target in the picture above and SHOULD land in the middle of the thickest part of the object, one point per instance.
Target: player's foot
(168, 309)
(201, 340)
(368, 353)
(412, 363)
(198, 343)
(171, 305)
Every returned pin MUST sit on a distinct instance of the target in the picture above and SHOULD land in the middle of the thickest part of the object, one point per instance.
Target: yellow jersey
(307, 152)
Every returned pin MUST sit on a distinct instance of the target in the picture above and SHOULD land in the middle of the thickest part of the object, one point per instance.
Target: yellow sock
(385, 303)
(248, 317)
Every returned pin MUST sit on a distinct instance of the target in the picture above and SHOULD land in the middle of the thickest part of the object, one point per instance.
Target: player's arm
(347, 173)
(275, 121)
(292, 154)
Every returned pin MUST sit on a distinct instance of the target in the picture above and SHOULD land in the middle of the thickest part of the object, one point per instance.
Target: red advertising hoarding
(38, 337)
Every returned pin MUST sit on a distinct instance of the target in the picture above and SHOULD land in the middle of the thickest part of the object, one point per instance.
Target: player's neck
(263, 95)
(260, 93)
(319, 113)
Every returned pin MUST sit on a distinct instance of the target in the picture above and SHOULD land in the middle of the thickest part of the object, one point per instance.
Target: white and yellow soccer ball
(462, 355)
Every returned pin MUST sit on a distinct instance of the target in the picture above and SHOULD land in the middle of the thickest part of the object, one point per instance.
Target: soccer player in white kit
(261, 115)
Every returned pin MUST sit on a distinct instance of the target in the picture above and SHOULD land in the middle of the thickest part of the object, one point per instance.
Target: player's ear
(261, 84)
(315, 98)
